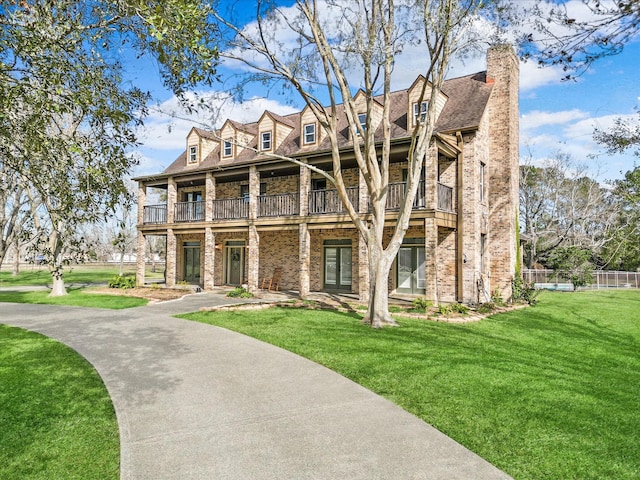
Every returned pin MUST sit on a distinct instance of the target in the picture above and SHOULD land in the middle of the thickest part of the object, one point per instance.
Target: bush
(421, 304)
(524, 292)
(240, 292)
(486, 307)
(496, 298)
(122, 281)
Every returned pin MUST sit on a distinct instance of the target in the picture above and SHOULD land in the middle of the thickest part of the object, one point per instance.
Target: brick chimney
(503, 72)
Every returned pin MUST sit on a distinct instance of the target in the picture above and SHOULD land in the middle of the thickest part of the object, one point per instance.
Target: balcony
(328, 201)
(321, 202)
(280, 205)
(189, 212)
(155, 214)
(231, 208)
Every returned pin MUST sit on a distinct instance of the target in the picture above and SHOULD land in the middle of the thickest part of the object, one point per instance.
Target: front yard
(544, 392)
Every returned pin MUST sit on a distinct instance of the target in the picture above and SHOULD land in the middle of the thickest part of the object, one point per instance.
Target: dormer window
(362, 119)
(420, 111)
(193, 154)
(265, 141)
(227, 148)
(309, 133)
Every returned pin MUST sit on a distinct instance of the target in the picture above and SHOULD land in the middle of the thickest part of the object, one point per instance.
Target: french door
(192, 262)
(411, 273)
(337, 266)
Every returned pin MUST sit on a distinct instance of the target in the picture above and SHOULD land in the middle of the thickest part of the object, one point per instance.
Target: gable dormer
(311, 132)
(272, 130)
(377, 110)
(200, 144)
(418, 104)
(234, 138)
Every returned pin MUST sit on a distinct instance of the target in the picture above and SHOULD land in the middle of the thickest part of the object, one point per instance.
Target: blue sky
(555, 116)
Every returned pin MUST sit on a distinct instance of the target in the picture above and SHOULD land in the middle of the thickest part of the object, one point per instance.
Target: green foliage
(550, 392)
(240, 292)
(486, 307)
(451, 308)
(122, 281)
(56, 416)
(522, 291)
(573, 264)
(421, 304)
(496, 298)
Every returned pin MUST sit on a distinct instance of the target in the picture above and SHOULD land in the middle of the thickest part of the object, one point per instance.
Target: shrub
(486, 307)
(496, 298)
(122, 281)
(459, 308)
(524, 291)
(421, 304)
(240, 292)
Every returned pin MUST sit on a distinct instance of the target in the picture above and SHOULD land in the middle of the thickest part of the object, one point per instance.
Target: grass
(39, 275)
(56, 417)
(549, 392)
(76, 297)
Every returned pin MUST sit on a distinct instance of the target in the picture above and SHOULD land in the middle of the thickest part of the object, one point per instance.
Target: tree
(623, 251)
(576, 34)
(572, 263)
(332, 40)
(560, 205)
(68, 117)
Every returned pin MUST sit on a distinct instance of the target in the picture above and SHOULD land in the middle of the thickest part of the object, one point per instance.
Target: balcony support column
(172, 196)
(305, 259)
(253, 264)
(305, 188)
(209, 257)
(431, 178)
(431, 265)
(142, 200)
(171, 260)
(141, 250)
(209, 196)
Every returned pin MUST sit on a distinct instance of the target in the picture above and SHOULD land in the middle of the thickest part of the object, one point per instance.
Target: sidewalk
(199, 402)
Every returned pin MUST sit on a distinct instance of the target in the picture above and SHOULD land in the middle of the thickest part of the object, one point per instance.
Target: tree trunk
(16, 259)
(378, 312)
(58, 289)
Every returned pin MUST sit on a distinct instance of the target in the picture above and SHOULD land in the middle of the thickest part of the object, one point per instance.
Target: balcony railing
(445, 198)
(189, 212)
(395, 195)
(288, 204)
(328, 201)
(279, 205)
(231, 208)
(155, 214)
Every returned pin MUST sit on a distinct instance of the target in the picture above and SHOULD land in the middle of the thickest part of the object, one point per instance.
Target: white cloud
(537, 118)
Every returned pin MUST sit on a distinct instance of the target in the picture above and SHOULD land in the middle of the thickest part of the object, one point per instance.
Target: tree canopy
(68, 115)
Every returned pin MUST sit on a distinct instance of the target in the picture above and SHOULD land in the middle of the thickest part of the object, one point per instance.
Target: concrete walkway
(200, 402)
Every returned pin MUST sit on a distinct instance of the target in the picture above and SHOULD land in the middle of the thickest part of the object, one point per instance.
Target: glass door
(235, 262)
(337, 267)
(411, 271)
(192, 262)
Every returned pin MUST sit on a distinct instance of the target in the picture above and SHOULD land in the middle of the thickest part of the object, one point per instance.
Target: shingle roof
(467, 101)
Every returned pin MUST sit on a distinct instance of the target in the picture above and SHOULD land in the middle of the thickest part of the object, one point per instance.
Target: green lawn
(39, 275)
(56, 417)
(77, 297)
(548, 392)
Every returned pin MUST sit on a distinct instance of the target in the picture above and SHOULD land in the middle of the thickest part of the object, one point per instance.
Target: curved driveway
(200, 402)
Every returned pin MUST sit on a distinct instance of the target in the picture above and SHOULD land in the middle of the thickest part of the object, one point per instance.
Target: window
(420, 112)
(227, 148)
(309, 133)
(362, 119)
(193, 154)
(244, 191)
(265, 141)
(482, 182)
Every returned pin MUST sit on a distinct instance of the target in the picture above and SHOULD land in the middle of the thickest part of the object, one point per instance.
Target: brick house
(233, 215)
